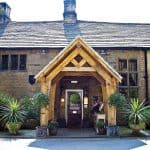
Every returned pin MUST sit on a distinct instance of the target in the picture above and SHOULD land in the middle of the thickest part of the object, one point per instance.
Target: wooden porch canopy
(79, 59)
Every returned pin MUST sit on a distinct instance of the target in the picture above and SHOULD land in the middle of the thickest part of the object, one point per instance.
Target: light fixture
(86, 100)
(62, 100)
(74, 82)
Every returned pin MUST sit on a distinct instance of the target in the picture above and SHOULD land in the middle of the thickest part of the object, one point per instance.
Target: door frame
(66, 102)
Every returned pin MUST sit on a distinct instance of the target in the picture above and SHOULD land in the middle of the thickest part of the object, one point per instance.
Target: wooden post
(52, 100)
(104, 93)
(111, 110)
(44, 110)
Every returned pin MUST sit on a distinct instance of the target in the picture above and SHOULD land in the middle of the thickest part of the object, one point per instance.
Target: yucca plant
(138, 115)
(12, 115)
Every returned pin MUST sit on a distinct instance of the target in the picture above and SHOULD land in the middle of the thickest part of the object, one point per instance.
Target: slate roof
(56, 34)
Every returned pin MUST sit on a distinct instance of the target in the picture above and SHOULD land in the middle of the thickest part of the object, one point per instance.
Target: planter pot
(137, 127)
(53, 132)
(41, 131)
(101, 131)
(13, 128)
(112, 130)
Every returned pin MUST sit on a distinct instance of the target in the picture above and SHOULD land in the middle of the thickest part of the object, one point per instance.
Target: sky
(127, 11)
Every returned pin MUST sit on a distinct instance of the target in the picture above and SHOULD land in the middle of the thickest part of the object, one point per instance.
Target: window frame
(18, 62)
(128, 72)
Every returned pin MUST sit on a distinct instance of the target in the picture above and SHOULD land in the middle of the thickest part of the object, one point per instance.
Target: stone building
(68, 56)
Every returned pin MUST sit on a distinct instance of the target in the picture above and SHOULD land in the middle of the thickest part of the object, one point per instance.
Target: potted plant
(52, 127)
(138, 115)
(41, 101)
(32, 119)
(117, 100)
(12, 115)
(100, 127)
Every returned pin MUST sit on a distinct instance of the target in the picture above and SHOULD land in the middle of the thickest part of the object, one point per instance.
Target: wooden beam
(101, 71)
(52, 100)
(44, 112)
(60, 66)
(111, 110)
(82, 62)
(75, 63)
(75, 69)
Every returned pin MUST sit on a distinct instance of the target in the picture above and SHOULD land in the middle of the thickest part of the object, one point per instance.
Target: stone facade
(16, 82)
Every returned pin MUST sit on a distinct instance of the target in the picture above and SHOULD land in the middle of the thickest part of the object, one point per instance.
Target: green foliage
(138, 112)
(30, 108)
(52, 124)
(13, 127)
(40, 100)
(13, 111)
(117, 99)
(75, 98)
(3, 98)
(100, 123)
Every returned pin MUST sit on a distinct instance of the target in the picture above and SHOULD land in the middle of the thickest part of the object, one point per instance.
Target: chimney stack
(4, 13)
(70, 16)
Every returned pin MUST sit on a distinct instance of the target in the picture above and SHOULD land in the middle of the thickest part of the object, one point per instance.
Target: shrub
(13, 112)
(138, 112)
(30, 108)
(40, 100)
(117, 99)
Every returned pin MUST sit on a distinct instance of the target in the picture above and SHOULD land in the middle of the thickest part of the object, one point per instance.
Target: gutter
(146, 76)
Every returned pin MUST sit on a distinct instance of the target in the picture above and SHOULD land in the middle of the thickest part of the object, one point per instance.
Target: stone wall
(113, 56)
(16, 82)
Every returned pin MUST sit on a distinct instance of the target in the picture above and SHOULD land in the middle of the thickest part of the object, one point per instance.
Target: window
(13, 62)
(4, 62)
(128, 70)
(22, 65)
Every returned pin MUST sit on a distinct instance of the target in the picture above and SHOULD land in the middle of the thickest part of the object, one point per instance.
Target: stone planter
(137, 127)
(41, 131)
(112, 130)
(13, 127)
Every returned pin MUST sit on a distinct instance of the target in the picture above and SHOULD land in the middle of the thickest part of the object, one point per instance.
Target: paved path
(75, 144)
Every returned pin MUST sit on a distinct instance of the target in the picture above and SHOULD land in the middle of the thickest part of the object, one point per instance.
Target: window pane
(133, 92)
(124, 91)
(124, 81)
(132, 65)
(4, 62)
(133, 79)
(122, 65)
(22, 62)
(14, 62)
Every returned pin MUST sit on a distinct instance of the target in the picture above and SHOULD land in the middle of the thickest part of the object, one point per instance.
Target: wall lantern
(62, 100)
(86, 102)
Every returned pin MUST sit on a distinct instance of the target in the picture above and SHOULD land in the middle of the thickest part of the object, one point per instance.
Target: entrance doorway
(74, 108)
